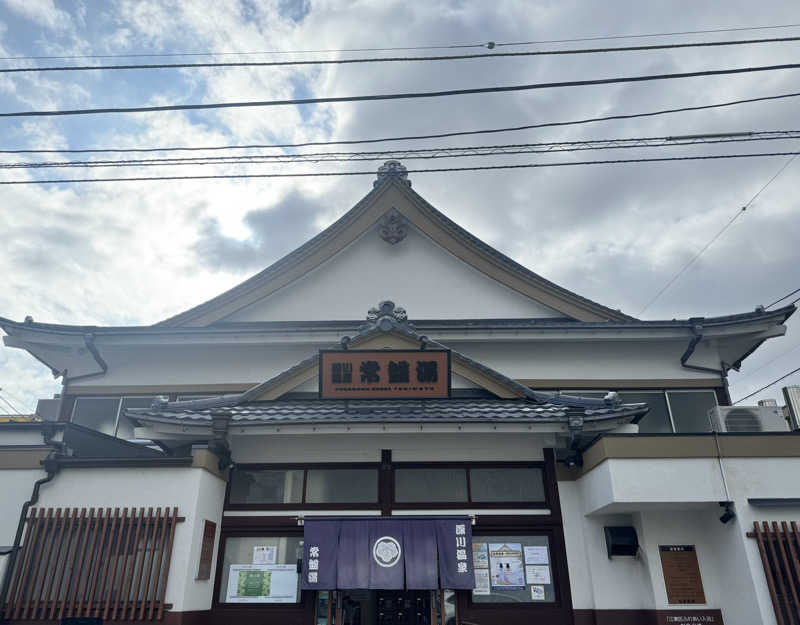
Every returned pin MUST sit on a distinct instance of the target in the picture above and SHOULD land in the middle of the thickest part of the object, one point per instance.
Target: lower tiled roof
(364, 410)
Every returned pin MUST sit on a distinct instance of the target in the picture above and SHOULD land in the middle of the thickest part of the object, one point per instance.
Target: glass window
(512, 569)
(96, 413)
(125, 425)
(657, 420)
(506, 484)
(267, 486)
(690, 410)
(342, 486)
(261, 570)
(430, 485)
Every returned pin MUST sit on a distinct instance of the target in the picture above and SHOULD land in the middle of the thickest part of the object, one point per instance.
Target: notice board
(681, 574)
(206, 550)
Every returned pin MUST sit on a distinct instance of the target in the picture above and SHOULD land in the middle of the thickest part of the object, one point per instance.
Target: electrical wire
(405, 96)
(426, 153)
(668, 34)
(782, 298)
(783, 377)
(765, 365)
(410, 171)
(11, 395)
(490, 45)
(407, 137)
(738, 214)
(9, 404)
(396, 59)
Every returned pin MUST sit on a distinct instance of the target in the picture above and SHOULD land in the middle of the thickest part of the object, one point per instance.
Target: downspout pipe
(697, 336)
(51, 466)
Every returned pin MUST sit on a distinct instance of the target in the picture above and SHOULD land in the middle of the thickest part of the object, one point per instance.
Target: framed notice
(681, 574)
(384, 374)
(505, 566)
(206, 550)
(262, 583)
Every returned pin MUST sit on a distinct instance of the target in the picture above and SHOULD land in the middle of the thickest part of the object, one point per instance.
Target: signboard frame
(683, 586)
(207, 550)
(441, 355)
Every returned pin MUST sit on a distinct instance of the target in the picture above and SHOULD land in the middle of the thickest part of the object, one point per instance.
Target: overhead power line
(489, 44)
(765, 387)
(408, 137)
(316, 174)
(9, 404)
(405, 96)
(788, 295)
(395, 59)
(738, 214)
(426, 153)
(739, 379)
(666, 34)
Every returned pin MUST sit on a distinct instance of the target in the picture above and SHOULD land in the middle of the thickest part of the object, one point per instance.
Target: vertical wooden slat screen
(779, 546)
(93, 563)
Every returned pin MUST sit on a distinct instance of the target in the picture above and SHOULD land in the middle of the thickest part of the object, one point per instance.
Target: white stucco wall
(16, 486)
(630, 484)
(192, 364)
(198, 494)
(421, 446)
(415, 273)
(674, 501)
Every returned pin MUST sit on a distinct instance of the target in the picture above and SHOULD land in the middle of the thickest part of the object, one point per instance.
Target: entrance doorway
(386, 607)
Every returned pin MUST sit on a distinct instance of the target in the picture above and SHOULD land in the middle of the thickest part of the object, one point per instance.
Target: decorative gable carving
(393, 227)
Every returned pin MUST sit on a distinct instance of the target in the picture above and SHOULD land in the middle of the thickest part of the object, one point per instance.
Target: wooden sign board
(384, 374)
(681, 574)
(207, 550)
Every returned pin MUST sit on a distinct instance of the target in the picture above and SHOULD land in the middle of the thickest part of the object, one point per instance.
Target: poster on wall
(537, 574)
(537, 593)
(480, 556)
(262, 583)
(265, 554)
(482, 586)
(536, 554)
(505, 566)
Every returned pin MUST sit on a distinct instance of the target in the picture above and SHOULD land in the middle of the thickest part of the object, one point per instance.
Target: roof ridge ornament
(387, 316)
(393, 227)
(392, 169)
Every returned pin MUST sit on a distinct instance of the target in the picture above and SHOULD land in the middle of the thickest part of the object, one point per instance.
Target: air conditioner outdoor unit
(748, 419)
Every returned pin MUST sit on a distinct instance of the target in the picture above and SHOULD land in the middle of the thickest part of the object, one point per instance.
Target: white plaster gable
(416, 273)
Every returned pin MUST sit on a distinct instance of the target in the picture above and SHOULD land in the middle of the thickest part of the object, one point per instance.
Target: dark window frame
(305, 467)
(235, 611)
(558, 571)
(488, 505)
(386, 487)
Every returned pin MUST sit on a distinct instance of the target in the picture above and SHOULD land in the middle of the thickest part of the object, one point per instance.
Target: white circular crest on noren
(386, 551)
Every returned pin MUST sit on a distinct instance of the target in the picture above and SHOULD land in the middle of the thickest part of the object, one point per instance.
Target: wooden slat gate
(92, 562)
(779, 545)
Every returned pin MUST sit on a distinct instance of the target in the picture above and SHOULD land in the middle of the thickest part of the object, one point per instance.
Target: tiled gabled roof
(388, 319)
(563, 300)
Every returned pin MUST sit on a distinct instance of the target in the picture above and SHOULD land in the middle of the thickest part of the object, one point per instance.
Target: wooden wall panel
(91, 562)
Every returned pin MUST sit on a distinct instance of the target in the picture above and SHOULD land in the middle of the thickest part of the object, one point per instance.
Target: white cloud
(43, 12)
(127, 253)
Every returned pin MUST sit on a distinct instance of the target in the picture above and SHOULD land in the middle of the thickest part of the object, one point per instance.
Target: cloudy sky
(136, 253)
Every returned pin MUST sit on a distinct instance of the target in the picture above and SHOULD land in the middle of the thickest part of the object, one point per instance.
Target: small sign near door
(206, 550)
(681, 574)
